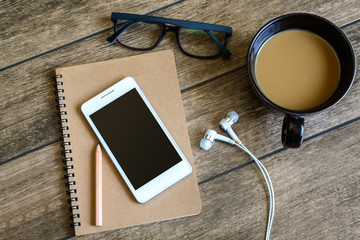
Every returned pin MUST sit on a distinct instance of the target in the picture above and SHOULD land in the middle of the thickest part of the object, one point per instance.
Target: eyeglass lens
(143, 35)
(200, 43)
(140, 35)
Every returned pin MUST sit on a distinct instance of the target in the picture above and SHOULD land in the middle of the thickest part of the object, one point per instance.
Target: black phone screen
(135, 138)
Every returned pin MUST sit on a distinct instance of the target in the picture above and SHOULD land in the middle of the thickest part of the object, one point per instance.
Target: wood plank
(30, 112)
(30, 28)
(33, 196)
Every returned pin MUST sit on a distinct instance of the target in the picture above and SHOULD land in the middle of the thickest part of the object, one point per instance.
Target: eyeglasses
(196, 39)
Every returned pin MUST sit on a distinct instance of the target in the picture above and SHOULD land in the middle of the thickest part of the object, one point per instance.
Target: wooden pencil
(98, 217)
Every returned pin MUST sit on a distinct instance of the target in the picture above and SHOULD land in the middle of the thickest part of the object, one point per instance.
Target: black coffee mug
(293, 124)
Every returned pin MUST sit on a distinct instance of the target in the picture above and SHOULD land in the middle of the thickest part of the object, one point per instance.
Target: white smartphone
(138, 143)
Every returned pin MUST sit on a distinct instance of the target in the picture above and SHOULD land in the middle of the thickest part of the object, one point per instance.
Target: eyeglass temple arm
(225, 52)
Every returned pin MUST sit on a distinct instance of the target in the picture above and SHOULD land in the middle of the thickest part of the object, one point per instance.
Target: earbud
(226, 124)
(209, 138)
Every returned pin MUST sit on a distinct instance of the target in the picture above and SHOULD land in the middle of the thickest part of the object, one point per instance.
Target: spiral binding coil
(66, 150)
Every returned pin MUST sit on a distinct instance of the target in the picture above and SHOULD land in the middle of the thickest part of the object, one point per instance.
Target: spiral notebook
(156, 74)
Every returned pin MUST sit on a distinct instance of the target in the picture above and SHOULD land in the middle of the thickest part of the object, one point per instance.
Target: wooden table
(317, 187)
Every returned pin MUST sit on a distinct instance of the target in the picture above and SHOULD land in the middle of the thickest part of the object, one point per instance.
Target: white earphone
(226, 124)
(209, 138)
(207, 142)
(211, 135)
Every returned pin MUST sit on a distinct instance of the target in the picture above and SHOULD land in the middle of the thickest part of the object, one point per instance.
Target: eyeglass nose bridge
(165, 29)
(168, 28)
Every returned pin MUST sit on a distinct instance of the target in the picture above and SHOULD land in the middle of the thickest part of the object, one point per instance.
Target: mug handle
(292, 131)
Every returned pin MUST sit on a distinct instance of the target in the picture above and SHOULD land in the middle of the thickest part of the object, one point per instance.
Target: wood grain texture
(30, 28)
(31, 112)
(316, 187)
(33, 196)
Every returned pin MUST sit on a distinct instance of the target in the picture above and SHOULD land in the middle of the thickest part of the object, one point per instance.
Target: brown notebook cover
(156, 74)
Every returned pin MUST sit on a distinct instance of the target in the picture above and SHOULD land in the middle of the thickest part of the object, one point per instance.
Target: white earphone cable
(207, 142)
(269, 187)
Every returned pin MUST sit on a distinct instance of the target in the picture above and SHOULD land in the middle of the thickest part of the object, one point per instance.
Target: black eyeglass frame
(176, 25)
